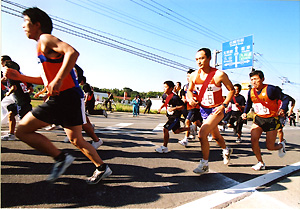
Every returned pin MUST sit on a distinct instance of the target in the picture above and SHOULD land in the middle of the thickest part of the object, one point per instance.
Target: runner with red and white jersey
(207, 81)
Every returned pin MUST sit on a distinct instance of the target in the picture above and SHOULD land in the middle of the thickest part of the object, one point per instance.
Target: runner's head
(4, 58)
(237, 88)
(203, 57)
(36, 19)
(12, 65)
(168, 87)
(257, 78)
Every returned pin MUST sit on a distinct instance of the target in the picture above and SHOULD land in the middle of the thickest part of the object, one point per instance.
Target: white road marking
(159, 127)
(224, 197)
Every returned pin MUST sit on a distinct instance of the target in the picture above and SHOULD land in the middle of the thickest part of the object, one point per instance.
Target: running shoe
(66, 140)
(60, 167)
(105, 113)
(201, 168)
(209, 137)
(226, 155)
(238, 140)
(184, 142)
(98, 175)
(193, 130)
(8, 137)
(259, 166)
(282, 151)
(97, 144)
(162, 149)
(51, 127)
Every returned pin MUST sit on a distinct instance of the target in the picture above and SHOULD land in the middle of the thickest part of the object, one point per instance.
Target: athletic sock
(102, 167)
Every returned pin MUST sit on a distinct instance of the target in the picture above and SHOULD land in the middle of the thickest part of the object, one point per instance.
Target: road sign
(237, 53)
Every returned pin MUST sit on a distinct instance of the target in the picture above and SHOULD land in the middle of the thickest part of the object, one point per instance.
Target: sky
(172, 29)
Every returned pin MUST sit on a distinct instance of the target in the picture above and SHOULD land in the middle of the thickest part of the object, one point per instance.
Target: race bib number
(260, 109)
(234, 107)
(208, 98)
(24, 87)
(170, 112)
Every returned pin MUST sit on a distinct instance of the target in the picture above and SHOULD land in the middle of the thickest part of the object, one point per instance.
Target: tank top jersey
(188, 106)
(259, 108)
(213, 94)
(51, 67)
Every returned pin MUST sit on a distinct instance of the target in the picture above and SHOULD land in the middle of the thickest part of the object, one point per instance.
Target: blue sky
(275, 26)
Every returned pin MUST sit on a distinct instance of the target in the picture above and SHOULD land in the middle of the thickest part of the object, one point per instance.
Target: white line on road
(223, 197)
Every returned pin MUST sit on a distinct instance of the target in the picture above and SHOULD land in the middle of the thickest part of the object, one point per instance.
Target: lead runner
(211, 103)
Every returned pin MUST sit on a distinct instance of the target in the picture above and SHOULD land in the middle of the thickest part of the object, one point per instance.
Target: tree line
(118, 92)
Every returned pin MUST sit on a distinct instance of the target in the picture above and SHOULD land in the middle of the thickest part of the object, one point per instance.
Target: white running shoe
(162, 149)
(98, 175)
(97, 144)
(184, 142)
(201, 168)
(238, 140)
(282, 151)
(210, 138)
(259, 166)
(8, 137)
(60, 167)
(226, 155)
(66, 140)
(51, 127)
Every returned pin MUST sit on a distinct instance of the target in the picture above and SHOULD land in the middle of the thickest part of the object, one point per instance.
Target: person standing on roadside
(148, 105)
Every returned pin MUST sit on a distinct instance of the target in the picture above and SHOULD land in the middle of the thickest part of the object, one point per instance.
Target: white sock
(204, 161)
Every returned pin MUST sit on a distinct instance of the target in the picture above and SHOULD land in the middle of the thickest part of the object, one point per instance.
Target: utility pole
(214, 58)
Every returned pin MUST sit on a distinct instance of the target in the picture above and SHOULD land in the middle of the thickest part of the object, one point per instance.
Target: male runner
(264, 99)
(65, 105)
(211, 102)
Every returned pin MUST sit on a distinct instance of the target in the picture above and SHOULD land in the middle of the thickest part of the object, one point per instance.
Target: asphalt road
(141, 177)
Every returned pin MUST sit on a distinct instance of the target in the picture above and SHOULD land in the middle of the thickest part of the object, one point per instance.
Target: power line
(168, 37)
(180, 22)
(197, 24)
(135, 51)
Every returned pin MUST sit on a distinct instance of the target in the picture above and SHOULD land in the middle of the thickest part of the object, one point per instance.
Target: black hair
(87, 88)
(5, 58)
(12, 65)
(179, 83)
(206, 51)
(257, 72)
(190, 71)
(169, 83)
(37, 15)
(238, 86)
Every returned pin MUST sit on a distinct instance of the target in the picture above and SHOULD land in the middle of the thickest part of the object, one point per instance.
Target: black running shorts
(268, 124)
(66, 109)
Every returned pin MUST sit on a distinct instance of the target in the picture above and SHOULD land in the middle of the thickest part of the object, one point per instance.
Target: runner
(265, 103)
(237, 105)
(173, 105)
(193, 116)
(207, 81)
(65, 105)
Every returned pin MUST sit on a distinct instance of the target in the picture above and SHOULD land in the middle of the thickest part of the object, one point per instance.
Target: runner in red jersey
(264, 99)
(65, 105)
(211, 104)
